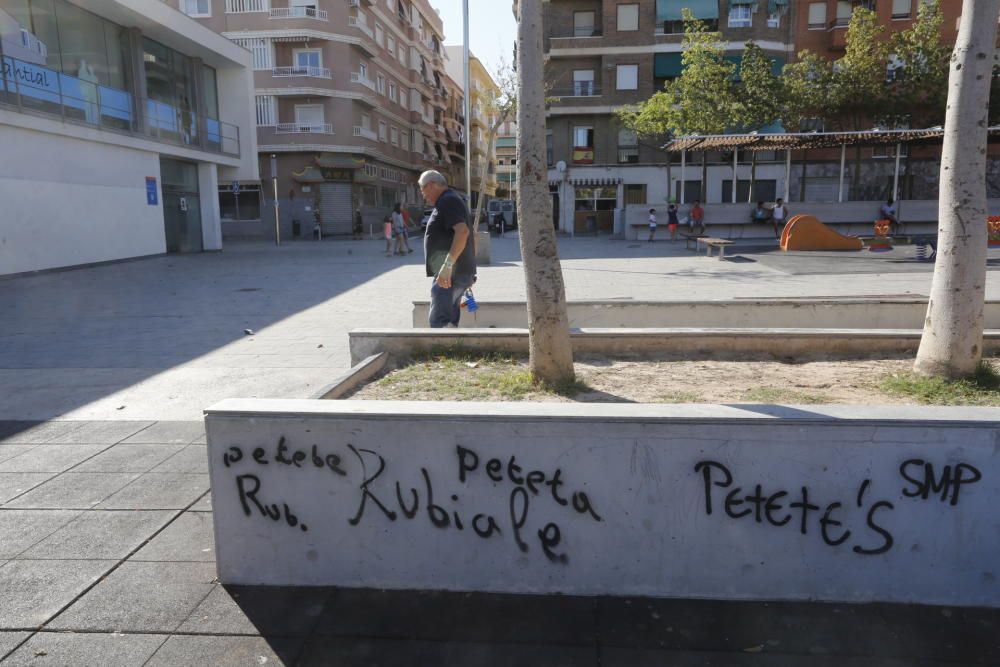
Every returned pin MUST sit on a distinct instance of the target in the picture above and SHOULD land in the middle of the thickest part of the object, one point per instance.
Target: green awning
(777, 64)
(670, 10)
(733, 3)
(667, 65)
(777, 6)
(506, 142)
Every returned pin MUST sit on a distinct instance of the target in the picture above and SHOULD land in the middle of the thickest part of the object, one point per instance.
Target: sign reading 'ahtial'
(610, 500)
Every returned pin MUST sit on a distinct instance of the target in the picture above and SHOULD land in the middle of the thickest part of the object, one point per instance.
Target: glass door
(181, 206)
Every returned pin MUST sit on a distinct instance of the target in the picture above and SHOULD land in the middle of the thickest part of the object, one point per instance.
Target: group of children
(696, 215)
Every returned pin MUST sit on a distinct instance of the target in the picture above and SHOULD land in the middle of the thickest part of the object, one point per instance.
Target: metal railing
(362, 25)
(356, 77)
(303, 128)
(315, 72)
(298, 13)
(31, 88)
(578, 89)
(365, 133)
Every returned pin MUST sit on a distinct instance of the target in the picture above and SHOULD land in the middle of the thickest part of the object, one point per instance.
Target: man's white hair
(432, 177)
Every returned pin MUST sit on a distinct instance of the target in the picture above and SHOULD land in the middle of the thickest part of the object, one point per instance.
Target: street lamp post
(274, 181)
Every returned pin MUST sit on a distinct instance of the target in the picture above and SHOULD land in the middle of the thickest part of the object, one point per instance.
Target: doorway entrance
(181, 206)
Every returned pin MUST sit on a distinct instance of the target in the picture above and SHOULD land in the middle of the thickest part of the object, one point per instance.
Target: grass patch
(780, 395)
(460, 375)
(983, 388)
(681, 397)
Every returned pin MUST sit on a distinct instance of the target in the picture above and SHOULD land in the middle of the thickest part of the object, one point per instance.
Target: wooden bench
(712, 242)
(690, 240)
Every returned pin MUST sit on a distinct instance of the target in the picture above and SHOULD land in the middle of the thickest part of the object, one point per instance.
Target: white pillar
(788, 174)
(895, 177)
(683, 173)
(208, 196)
(736, 155)
(843, 161)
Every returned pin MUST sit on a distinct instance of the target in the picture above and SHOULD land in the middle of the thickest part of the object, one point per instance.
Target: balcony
(357, 77)
(361, 23)
(365, 133)
(298, 13)
(30, 88)
(578, 89)
(312, 72)
(300, 128)
(575, 33)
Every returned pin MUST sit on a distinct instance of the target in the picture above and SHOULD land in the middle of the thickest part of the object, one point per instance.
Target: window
(404, 139)
(844, 11)
(635, 194)
(392, 91)
(363, 70)
(628, 146)
(894, 68)
(245, 206)
(379, 35)
(740, 16)
(381, 130)
(380, 84)
(628, 77)
(198, 7)
(366, 121)
(394, 135)
(265, 109)
(583, 83)
(307, 60)
(583, 136)
(817, 16)
(774, 20)
(402, 54)
(309, 115)
(583, 24)
(628, 17)
(390, 46)
(901, 9)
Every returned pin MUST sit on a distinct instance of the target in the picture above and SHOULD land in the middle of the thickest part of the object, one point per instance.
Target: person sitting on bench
(760, 214)
(888, 212)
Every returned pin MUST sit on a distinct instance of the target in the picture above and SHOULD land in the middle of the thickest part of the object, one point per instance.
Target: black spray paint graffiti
(774, 509)
(528, 490)
(484, 525)
(248, 485)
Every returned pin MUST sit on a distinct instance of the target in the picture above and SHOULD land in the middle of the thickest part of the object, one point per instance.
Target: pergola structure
(790, 141)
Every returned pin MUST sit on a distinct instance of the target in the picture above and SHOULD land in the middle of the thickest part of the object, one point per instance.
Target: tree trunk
(551, 356)
(952, 342)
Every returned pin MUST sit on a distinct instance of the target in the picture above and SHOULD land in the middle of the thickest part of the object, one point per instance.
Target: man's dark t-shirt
(448, 211)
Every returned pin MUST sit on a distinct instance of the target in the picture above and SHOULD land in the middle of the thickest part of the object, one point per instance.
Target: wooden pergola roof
(804, 140)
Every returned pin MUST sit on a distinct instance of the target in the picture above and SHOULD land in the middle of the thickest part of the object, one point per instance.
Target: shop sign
(151, 199)
(338, 174)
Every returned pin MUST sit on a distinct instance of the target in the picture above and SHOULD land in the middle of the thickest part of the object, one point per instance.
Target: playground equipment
(993, 228)
(806, 232)
(881, 242)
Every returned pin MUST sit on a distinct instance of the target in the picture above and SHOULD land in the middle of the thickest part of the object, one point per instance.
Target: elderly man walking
(449, 256)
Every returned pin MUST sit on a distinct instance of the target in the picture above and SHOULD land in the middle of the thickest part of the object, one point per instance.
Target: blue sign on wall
(151, 190)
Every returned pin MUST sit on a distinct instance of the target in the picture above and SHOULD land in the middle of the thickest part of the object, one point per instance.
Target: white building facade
(118, 120)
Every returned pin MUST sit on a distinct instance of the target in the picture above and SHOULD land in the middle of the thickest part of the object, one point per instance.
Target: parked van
(501, 209)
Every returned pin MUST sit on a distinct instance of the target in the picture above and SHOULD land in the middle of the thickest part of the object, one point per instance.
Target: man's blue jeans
(446, 303)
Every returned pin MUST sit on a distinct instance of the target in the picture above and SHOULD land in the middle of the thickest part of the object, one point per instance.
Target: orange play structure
(806, 232)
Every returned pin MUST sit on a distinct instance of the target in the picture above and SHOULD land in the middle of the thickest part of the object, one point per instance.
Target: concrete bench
(711, 242)
(829, 503)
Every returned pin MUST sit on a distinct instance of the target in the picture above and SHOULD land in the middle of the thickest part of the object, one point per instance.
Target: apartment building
(118, 121)
(454, 128)
(605, 54)
(483, 90)
(349, 103)
(506, 158)
(822, 26)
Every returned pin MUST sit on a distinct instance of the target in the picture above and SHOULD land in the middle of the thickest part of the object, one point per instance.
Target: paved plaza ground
(106, 549)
